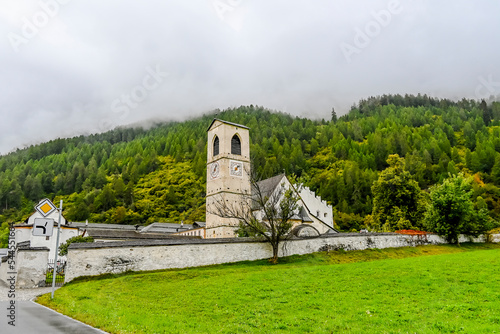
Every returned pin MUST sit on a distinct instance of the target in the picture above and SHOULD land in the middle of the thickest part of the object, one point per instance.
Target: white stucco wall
(317, 207)
(53, 215)
(94, 259)
(25, 233)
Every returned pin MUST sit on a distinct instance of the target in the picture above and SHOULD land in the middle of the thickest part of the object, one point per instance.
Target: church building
(228, 179)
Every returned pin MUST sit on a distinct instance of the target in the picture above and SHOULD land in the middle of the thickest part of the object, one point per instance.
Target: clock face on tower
(214, 170)
(236, 168)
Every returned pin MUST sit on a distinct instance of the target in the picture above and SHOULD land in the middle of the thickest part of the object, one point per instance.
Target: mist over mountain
(140, 176)
(83, 67)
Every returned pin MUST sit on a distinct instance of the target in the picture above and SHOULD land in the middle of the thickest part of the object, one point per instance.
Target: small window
(216, 146)
(236, 145)
(325, 214)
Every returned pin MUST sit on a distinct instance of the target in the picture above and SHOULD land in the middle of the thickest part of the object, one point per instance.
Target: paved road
(31, 317)
(34, 318)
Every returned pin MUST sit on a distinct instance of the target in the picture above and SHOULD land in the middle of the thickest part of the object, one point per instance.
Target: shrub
(63, 248)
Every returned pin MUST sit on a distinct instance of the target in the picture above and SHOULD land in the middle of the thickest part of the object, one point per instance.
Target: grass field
(452, 290)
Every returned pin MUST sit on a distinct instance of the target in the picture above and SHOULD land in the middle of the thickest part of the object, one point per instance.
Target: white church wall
(322, 228)
(95, 259)
(317, 207)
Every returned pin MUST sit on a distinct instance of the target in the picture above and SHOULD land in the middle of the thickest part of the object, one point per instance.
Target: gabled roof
(166, 227)
(226, 122)
(90, 226)
(199, 224)
(267, 186)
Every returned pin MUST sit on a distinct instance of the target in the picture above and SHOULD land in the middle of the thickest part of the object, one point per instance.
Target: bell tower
(228, 167)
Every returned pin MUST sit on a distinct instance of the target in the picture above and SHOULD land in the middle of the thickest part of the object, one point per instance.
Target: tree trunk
(274, 259)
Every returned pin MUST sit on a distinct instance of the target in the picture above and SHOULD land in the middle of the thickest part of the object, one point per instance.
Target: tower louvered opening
(236, 145)
(216, 146)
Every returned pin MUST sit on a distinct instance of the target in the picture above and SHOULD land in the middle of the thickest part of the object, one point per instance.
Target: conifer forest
(141, 176)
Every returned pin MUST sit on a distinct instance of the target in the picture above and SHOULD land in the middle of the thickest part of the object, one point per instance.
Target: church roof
(267, 186)
(226, 122)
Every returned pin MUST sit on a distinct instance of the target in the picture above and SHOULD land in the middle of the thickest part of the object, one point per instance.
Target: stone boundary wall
(4, 268)
(31, 265)
(495, 238)
(89, 259)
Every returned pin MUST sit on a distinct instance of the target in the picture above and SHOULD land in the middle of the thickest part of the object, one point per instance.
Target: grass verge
(373, 291)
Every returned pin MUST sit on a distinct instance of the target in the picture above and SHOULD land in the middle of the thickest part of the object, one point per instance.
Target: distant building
(116, 232)
(100, 232)
(25, 237)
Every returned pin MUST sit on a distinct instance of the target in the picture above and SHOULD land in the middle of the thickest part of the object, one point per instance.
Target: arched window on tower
(236, 145)
(216, 146)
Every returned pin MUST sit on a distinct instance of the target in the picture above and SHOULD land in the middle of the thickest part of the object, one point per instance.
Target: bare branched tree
(265, 213)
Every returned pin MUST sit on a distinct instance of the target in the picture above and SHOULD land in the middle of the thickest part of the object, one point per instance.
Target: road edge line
(48, 308)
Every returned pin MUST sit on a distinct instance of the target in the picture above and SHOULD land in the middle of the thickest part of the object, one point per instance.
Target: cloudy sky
(71, 67)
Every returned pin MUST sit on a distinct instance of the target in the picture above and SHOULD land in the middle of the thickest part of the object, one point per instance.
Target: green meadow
(427, 289)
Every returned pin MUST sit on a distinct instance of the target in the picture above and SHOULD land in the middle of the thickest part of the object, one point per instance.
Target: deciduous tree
(63, 248)
(451, 211)
(398, 202)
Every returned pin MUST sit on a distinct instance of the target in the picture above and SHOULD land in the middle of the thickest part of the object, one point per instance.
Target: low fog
(70, 67)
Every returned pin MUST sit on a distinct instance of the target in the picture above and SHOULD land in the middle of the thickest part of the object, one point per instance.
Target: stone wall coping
(172, 242)
(33, 249)
(163, 242)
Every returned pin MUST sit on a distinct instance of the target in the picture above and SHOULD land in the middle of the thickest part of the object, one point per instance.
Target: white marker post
(54, 273)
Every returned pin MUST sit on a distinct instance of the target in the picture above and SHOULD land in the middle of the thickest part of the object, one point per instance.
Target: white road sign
(45, 207)
(43, 227)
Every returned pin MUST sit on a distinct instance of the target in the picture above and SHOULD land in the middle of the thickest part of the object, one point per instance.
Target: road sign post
(54, 273)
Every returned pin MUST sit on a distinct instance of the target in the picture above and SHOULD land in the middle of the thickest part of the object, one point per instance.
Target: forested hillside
(137, 176)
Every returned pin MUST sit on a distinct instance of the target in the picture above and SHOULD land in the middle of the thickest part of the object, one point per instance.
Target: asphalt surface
(32, 318)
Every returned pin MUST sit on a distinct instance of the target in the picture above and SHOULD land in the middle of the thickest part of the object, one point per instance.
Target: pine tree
(334, 116)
